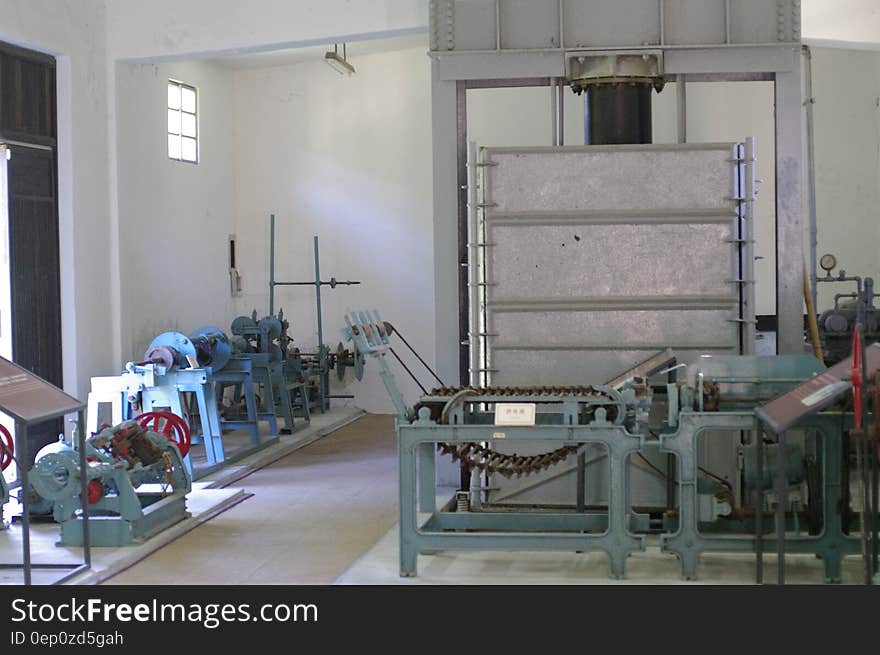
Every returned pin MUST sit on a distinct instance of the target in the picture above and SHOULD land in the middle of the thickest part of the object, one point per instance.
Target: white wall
(74, 31)
(174, 217)
(842, 20)
(347, 159)
(846, 87)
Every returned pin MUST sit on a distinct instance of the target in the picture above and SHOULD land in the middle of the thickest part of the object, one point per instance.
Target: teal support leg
(621, 542)
(207, 402)
(409, 546)
(427, 478)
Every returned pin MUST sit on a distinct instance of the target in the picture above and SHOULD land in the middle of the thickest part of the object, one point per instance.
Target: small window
(183, 124)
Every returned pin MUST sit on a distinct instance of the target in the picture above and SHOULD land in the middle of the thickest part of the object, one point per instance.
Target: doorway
(30, 286)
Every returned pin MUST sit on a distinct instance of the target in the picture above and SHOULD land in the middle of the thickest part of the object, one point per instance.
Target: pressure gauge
(828, 262)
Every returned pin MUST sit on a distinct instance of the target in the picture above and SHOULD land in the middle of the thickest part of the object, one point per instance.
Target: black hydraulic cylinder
(618, 114)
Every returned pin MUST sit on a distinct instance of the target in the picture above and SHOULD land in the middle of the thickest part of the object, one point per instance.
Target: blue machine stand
(187, 376)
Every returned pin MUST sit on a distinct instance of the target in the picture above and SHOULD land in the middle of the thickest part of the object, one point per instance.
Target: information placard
(28, 398)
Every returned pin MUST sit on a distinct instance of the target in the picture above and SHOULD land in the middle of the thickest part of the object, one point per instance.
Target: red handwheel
(7, 449)
(171, 425)
(857, 378)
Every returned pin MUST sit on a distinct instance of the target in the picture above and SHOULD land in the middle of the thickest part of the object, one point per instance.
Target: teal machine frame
(137, 486)
(299, 368)
(729, 389)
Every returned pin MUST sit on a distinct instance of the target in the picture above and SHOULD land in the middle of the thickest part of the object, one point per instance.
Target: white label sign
(515, 414)
(823, 393)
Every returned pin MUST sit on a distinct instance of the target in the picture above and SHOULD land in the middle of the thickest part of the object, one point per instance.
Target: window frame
(181, 111)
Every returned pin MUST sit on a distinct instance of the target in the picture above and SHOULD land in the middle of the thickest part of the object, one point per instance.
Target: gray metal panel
(596, 330)
(610, 260)
(695, 21)
(561, 367)
(610, 246)
(617, 23)
(472, 25)
(597, 257)
(764, 21)
(527, 24)
(630, 178)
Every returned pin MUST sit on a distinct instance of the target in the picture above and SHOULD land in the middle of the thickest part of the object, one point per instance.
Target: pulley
(56, 476)
(171, 349)
(212, 347)
(346, 358)
(243, 324)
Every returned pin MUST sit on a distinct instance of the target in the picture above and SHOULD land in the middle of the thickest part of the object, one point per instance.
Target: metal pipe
(21, 447)
(681, 94)
(618, 114)
(781, 493)
(473, 266)
(554, 111)
(751, 320)
(811, 172)
(759, 506)
(811, 317)
(272, 265)
(84, 493)
(325, 376)
(561, 139)
(581, 482)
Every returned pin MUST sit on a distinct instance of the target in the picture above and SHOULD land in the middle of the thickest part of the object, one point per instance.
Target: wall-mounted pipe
(811, 173)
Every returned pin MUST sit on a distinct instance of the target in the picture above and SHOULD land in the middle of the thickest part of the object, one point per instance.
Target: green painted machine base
(619, 531)
(115, 531)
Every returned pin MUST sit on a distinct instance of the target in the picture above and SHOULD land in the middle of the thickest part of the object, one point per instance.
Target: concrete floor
(209, 497)
(380, 567)
(311, 515)
(327, 514)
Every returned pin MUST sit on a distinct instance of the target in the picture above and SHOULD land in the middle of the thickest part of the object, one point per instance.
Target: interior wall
(842, 20)
(174, 217)
(74, 31)
(347, 159)
(846, 87)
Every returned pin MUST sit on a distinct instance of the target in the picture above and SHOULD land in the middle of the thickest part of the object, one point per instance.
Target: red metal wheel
(7, 450)
(171, 425)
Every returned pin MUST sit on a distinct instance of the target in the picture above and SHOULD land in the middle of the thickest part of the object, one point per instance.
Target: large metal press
(578, 262)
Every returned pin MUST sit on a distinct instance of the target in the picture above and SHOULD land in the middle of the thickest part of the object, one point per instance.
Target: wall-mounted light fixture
(339, 63)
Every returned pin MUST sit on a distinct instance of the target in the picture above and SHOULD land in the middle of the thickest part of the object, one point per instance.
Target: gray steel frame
(456, 71)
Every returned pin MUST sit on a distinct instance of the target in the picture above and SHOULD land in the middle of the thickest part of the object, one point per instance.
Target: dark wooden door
(28, 123)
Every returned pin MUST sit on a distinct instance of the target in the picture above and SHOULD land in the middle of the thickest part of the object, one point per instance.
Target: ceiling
(316, 53)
